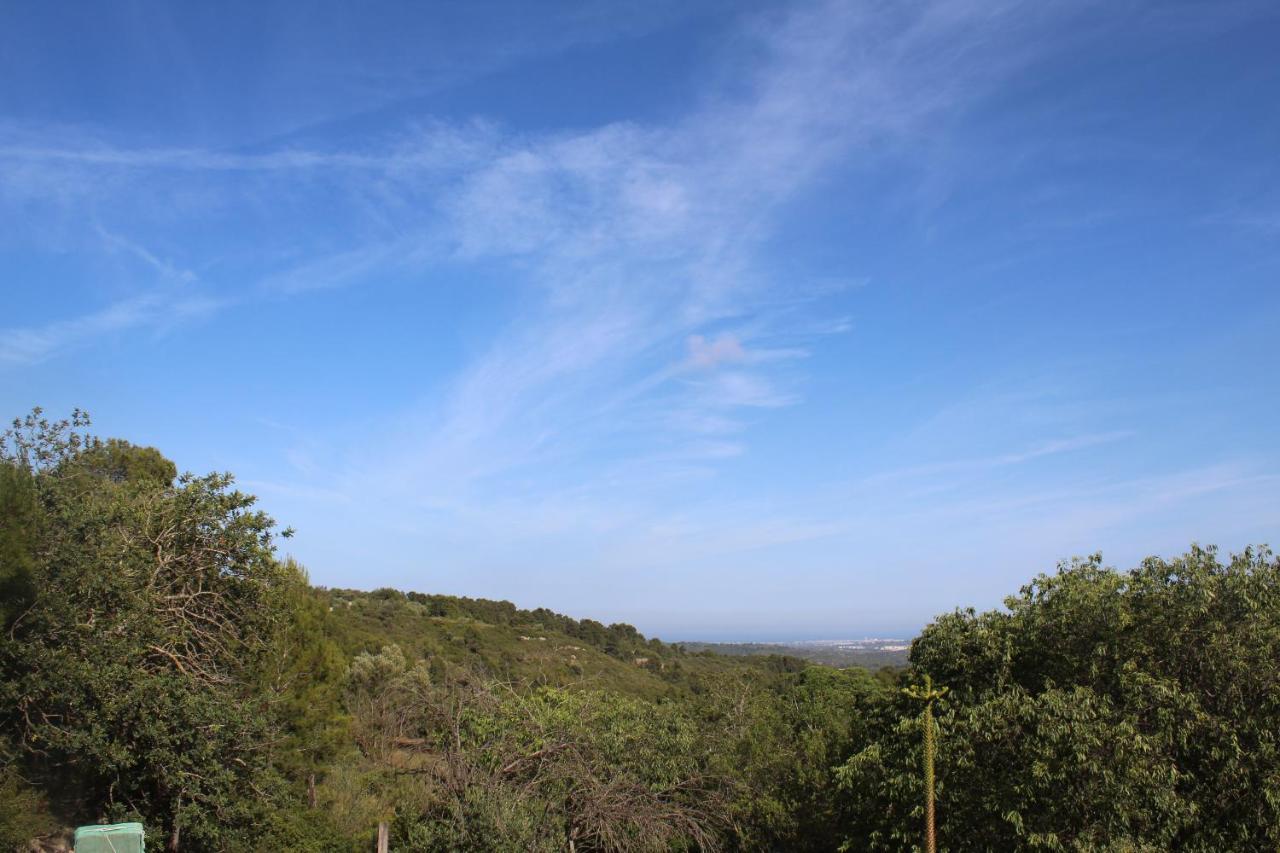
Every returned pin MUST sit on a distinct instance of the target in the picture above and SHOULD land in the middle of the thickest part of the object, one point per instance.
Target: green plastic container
(110, 838)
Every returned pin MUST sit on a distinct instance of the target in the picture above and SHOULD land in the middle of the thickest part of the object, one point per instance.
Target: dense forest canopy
(160, 661)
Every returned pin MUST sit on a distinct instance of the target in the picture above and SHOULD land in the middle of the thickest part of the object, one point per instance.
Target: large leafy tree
(1099, 710)
(147, 608)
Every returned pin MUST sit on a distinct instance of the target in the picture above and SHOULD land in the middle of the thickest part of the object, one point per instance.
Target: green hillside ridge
(535, 647)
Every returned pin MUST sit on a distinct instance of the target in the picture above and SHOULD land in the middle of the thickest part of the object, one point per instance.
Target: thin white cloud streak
(979, 464)
(347, 268)
(31, 345)
(165, 269)
(434, 147)
(643, 237)
(882, 530)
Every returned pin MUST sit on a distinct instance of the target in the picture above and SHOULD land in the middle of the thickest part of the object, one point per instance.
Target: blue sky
(729, 320)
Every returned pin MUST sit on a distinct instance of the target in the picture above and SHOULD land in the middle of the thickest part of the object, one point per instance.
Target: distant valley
(871, 653)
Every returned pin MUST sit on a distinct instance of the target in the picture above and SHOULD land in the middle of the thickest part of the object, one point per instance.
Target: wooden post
(311, 791)
(384, 838)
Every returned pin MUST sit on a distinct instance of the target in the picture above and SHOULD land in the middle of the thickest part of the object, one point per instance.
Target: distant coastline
(870, 653)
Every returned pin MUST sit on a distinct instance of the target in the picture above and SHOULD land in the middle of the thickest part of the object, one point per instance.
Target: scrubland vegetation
(159, 661)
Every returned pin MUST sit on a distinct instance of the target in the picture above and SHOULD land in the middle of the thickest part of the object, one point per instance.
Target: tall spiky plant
(928, 695)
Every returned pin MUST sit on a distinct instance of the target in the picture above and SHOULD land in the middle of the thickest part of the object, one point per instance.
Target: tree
(19, 530)
(1099, 710)
(130, 676)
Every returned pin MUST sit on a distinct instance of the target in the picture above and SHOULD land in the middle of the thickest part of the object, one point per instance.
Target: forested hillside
(160, 661)
(536, 647)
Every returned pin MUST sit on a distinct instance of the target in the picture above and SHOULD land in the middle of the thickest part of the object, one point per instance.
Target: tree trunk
(311, 791)
(384, 838)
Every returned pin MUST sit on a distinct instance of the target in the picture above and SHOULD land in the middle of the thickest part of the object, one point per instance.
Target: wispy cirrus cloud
(650, 324)
(644, 238)
(164, 268)
(29, 345)
(980, 464)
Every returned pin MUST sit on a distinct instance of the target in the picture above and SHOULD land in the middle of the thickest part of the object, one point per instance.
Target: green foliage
(535, 647)
(158, 662)
(304, 678)
(128, 677)
(23, 811)
(772, 741)
(119, 462)
(542, 769)
(1100, 710)
(20, 523)
(619, 640)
